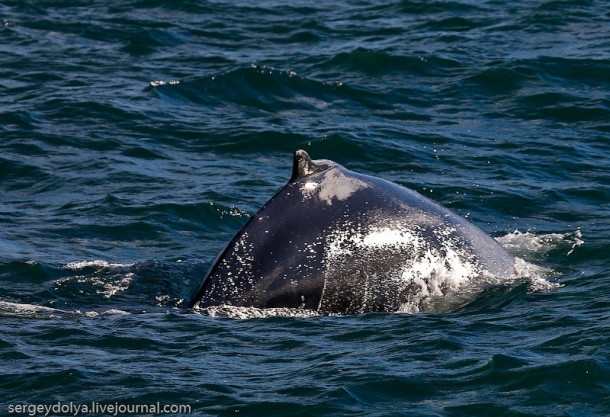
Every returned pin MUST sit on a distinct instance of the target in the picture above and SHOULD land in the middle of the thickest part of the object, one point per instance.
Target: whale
(334, 241)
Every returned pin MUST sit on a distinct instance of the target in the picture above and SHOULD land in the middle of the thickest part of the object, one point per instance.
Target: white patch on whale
(334, 186)
(423, 272)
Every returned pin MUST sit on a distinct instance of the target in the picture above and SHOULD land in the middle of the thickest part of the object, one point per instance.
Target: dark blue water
(137, 137)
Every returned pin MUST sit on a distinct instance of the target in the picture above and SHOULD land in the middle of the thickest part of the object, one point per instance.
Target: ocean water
(138, 136)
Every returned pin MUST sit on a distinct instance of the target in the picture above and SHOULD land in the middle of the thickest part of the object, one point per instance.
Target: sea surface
(138, 136)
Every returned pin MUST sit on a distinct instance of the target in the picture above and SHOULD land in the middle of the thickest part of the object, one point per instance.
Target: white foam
(244, 313)
(527, 244)
(36, 311)
(114, 287)
(160, 82)
(114, 312)
(95, 263)
(536, 275)
(108, 285)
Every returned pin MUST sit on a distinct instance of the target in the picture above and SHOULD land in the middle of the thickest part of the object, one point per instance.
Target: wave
(372, 62)
(120, 212)
(259, 87)
(29, 310)
(33, 311)
(262, 94)
(97, 287)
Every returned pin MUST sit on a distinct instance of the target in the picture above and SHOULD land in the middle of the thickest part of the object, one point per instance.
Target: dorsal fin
(304, 165)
